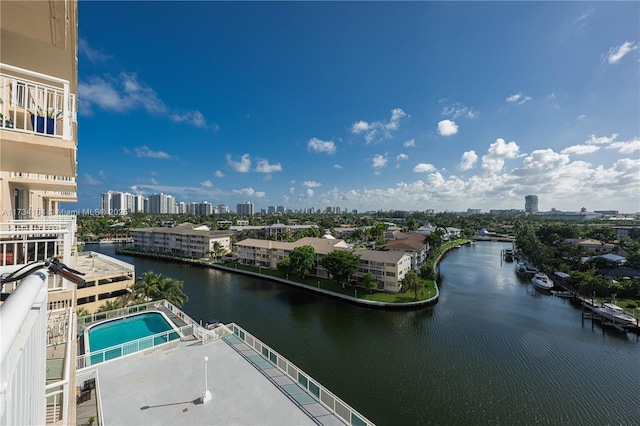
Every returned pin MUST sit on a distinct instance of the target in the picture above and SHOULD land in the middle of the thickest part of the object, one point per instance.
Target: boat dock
(607, 316)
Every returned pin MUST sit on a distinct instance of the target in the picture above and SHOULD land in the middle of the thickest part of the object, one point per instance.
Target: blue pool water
(114, 333)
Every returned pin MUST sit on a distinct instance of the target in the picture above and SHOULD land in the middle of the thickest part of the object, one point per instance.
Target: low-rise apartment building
(389, 267)
(186, 239)
(411, 244)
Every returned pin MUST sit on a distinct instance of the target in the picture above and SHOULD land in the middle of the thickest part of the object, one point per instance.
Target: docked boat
(615, 313)
(542, 281)
(508, 255)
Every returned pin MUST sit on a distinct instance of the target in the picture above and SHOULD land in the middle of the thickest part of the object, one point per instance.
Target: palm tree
(218, 249)
(171, 290)
(81, 312)
(157, 287)
(147, 286)
(110, 305)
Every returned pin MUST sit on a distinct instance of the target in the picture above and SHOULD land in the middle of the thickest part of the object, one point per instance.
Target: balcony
(26, 241)
(37, 117)
(52, 185)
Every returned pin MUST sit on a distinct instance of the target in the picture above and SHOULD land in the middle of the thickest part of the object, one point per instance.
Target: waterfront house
(595, 246)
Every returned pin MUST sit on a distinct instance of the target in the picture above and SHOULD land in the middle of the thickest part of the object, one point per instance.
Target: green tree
(110, 305)
(369, 281)
(411, 281)
(82, 311)
(171, 290)
(426, 272)
(157, 287)
(146, 286)
(218, 249)
(341, 264)
(285, 265)
(302, 260)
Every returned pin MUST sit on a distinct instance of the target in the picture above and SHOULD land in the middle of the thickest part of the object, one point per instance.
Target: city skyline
(372, 106)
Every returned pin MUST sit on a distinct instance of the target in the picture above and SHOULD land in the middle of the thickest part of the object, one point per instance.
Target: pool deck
(163, 386)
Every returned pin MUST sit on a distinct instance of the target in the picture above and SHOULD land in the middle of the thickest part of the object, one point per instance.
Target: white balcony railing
(26, 241)
(43, 106)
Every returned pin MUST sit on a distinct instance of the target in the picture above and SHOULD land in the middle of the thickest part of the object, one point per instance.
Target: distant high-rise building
(161, 203)
(531, 204)
(223, 209)
(120, 203)
(245, 208)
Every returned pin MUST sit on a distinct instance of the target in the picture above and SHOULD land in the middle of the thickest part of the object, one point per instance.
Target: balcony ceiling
(55, 157)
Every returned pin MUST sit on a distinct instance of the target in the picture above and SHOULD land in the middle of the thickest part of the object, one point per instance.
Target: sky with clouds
(362, 105)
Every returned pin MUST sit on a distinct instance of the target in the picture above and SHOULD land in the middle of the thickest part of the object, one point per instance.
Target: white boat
(615, 314)
(542, 281)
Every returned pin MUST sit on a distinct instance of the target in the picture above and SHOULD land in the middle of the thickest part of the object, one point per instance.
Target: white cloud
(498, 151)
(402, 157)
(94, 55)
(559, 182)
(602, 140)
(580, 149)
(337, 166)
(379, 128)
(194, 118)
(125, 93)
(396, 115)
(309, 193)
(292, 190)
(318, 145)
(626, 147)
(145, 152)
(360, 127)
(447, 128)
(90, 180)
(468, 160)
(207, 184)
(424, 168)
(311, 184)
(379, 161)
(519, 98)
(249, 192)
(582, 19)
(617, 53)
(264, 167)
(219, 174)
(409, 143)
(458, 110)
(581, 117)
(242, 166)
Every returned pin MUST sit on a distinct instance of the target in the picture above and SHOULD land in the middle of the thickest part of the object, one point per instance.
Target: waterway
(492, 351)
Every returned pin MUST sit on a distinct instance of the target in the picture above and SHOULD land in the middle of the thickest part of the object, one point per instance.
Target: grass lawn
(326, 284)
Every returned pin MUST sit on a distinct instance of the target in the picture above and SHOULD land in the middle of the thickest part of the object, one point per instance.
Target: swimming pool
(122, 336)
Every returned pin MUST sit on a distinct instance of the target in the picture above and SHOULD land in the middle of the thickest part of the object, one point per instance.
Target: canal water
(492, 351)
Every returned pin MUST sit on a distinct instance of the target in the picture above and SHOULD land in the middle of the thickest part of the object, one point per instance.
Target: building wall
(197, 244)
(41, 37)
(388, 273)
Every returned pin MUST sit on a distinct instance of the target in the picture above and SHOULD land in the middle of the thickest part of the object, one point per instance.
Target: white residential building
(389, 267)
(186, 239)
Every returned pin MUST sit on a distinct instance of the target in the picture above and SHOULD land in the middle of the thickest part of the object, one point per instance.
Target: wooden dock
(590, 313)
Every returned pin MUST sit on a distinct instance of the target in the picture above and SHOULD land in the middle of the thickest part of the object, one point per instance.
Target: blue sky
(363, 105)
